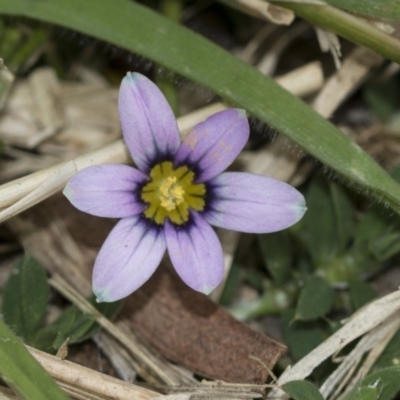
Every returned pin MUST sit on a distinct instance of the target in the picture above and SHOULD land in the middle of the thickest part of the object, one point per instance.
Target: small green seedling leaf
(383, 384)
(25, 297)
(231, 284)
(383, 98)
(390, 357)
(315, 300)
(361, 293)
(301, 337)
(343, 216)
(302, 390)
(385, 247)
(321, 223)
(73, 324)
(278, 255)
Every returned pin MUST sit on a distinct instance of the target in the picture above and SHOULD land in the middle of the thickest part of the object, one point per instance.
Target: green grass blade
(349, 26)
(22, 372)
(382, 8)
(141, 30)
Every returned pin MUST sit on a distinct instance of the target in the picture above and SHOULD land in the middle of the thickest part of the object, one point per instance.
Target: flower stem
(275, 300)
(350, 27)
(165, 79)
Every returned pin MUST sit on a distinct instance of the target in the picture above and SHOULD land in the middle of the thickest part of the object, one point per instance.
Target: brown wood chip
(191, 330)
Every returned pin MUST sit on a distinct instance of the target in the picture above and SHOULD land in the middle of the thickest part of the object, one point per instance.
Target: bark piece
(191, 330)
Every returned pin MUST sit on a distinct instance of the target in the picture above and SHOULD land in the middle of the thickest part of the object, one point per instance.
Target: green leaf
(25, 297)
(361, 293)
(22, 372)
(375, 223)
(382, 8)
(329, 221)
(131, 26)
(380, 385)
(390, 357)
(349, 26)
(231, 284)
(385, 247)
(9, 42)
(24, 53)
(109, 310)
(73, 324)
(301, 337)
(277, 251)
(315, 300)
(383, 98)
(344, 219)
(302, 390)
(321, 223)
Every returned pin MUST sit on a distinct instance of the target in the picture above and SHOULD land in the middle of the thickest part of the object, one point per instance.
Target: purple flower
(175, 194)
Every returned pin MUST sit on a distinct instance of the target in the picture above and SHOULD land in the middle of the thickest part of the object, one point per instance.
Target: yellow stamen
(171, 193)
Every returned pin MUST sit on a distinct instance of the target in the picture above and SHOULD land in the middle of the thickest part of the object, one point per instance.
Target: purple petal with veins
(253, 203)
(196, 253)
(129, 256)
(211, 146)
(148, 123)
(107, 190)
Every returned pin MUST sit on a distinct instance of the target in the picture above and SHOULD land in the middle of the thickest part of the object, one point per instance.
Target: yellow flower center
(171, 193)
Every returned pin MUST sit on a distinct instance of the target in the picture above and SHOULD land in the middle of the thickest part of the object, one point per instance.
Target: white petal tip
(67, 191)
(207, 290)
(301, 208)
(133, 77)
(242, 113)
(102, 297)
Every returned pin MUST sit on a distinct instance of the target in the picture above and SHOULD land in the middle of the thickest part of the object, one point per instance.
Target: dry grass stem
(62, 256)
(373, 342)
(264, 10)
(363, 321)
(217, 390)
(7, 394)
(355, 69)
(316, 2)
(268, 63)
(248, 52)
(89, 380)
(121, 360)
(18, 189)
(303, 81)
(329, 41)
(122, 333)
(379, 338)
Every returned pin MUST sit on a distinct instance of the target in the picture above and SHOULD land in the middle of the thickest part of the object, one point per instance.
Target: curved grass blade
(349, 26)
(141, 30)
(22, 372)
(382, 8)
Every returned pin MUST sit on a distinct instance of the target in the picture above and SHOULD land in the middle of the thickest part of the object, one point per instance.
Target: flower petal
(253, 203)
(129, 256)
(196, 253)
(211, 146)
(148, 123)
(106, 190)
